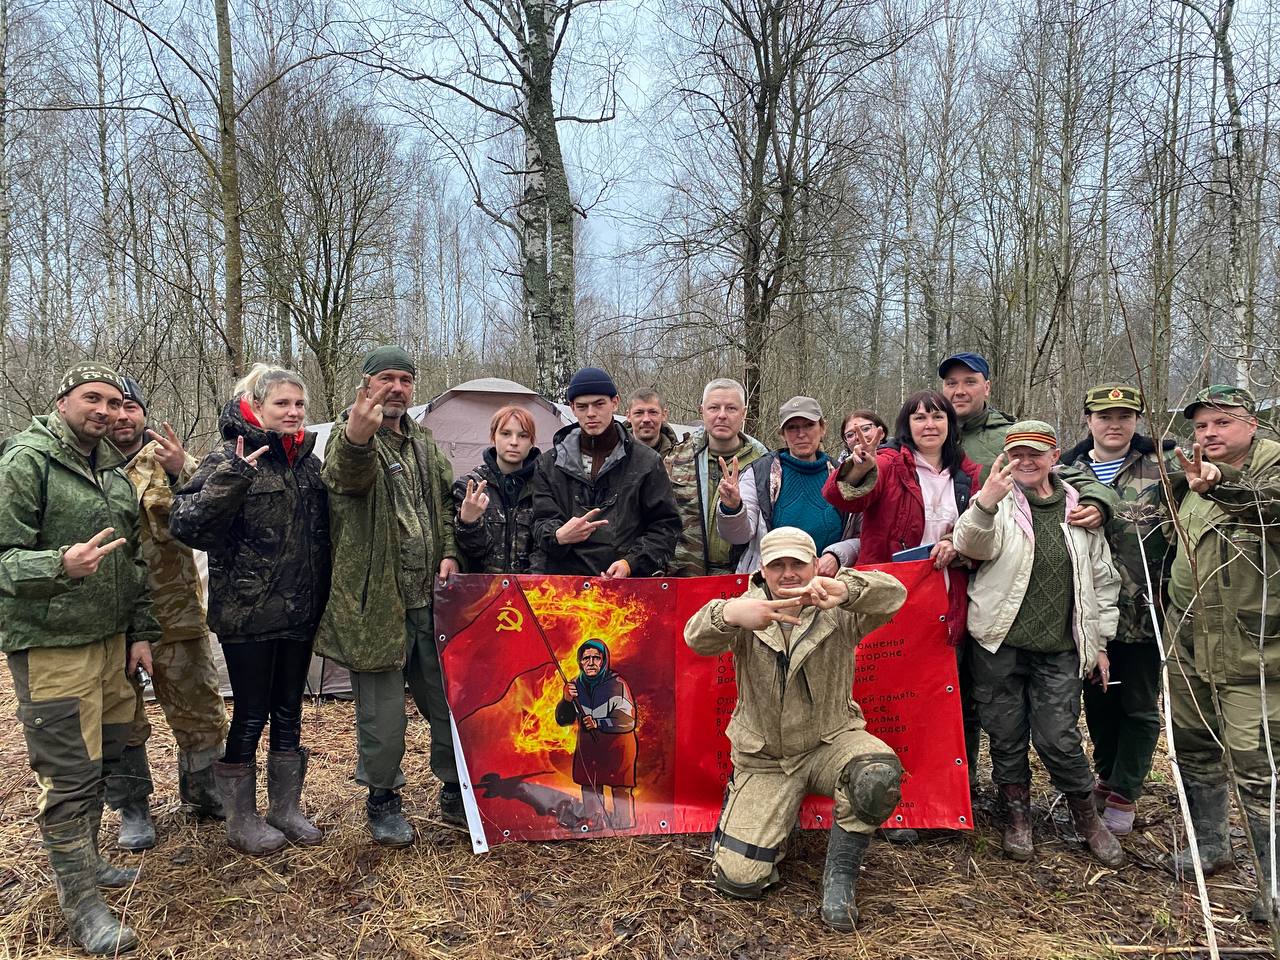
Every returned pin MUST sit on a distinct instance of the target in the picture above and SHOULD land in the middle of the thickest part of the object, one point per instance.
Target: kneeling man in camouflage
(796, 729)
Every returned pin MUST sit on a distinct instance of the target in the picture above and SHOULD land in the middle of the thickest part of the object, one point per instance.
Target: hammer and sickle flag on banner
(497, 637)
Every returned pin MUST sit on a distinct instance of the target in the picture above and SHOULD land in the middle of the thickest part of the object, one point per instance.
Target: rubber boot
(1017, 841)
(246, 831)
(451, 809)
(106, 874)
(1264, 907)
(1102, 843)
(1101, 790)
(74, 861)
(128, 787)
(845, 851)
(1209, 804)
(286, 772)
(387, 824)
(195, 783)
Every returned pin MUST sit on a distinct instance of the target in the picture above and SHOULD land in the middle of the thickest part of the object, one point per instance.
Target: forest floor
(951, 895)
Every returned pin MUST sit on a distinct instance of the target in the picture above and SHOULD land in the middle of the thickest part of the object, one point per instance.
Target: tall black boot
(1264, 906)
(74, 861)
(845, 851)
(128, 788)
(1209, 803)
(196, 785)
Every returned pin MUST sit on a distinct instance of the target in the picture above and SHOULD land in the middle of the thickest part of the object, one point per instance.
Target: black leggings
(267, 680)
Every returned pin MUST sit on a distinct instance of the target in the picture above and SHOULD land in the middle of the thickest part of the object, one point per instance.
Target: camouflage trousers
(75, 706)
(1027, 698)
(763, 800)
(186, 686)
(1202, 730)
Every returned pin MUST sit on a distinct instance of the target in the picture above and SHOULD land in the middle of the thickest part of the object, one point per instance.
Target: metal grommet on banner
(665, 585)
(738, 581)
(942, 619)
(586, 584)
(507, 833)
(959, 761)
(898, 818)
(964, 819)
(950, 688)
(583, 828)
(506, 583)
(442, 638)
(662, 824)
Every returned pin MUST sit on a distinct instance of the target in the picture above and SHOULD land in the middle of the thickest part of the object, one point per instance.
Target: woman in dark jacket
(257, 506)
(494, 503)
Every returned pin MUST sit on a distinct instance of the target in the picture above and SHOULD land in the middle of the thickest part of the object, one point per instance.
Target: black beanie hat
(133, 391)
(590, 381)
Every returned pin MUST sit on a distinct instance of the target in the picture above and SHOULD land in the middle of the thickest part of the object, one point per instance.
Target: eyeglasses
(866, 431)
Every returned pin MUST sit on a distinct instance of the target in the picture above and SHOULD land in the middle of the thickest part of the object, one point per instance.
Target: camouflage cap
(1035, 434)
(1109, 396)
(1222, 395)
(89, 371)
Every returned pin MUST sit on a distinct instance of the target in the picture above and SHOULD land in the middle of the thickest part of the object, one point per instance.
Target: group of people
(1061, 568)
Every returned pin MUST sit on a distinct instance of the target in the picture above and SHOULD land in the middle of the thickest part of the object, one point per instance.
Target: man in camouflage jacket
(75, 616)
(392, 528)
(1223, 630)
(1124, 720)
(694, 468)
(185, 678)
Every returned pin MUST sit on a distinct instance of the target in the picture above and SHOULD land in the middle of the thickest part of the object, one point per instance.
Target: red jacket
(893, 519)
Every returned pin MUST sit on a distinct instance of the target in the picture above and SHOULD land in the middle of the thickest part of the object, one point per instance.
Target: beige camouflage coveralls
(796, 728)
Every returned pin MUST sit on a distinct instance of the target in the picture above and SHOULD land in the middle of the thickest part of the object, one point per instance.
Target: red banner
(629, 739)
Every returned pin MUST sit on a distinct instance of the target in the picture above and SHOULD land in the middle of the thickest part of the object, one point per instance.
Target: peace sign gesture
(251, 459)
(82, 559)
(474, 503)
(366, 413)
(169, 452)
(577, 529)
(1201, 475)
(862, 457)
(729, 489)
(999, 483)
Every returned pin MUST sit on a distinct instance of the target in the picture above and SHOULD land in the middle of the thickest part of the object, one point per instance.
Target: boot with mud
(1210, 805)
(845, 851)
(1102, 843)
(286, 772)
(74, 861)
(196, 786)
(1017, 840)
(1264, 905)
(246, 830)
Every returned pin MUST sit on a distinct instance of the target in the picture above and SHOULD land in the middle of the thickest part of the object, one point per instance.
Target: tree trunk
(229, 194)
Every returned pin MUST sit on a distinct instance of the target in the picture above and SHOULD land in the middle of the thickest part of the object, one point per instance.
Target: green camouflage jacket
(1232, 548)
(363, 624)
(696, 496)
(667, 438)
(1139, 525)
(176, 589)
(51, 498)
(982, 437)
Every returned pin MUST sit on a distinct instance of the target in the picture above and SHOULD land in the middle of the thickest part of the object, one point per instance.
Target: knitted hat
(1110, 396)
(1222, 395)
(590, 382)
(133, 391)
(1035, 434)
(89, 372)
(786, 542)
(389, 357)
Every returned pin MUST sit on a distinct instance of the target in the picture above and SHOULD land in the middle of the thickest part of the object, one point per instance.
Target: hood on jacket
(232, 424)
(50, 434)
(490, 457)
(1140, 443)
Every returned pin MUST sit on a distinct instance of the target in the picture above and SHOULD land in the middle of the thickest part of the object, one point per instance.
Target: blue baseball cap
(974, 361)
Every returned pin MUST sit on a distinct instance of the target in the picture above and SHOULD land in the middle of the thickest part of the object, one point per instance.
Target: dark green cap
(1108, 396)
(388, 358)
(1222, 395)
(89, 372)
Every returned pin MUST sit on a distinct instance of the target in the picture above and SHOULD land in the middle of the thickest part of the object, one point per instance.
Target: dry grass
(949, 896)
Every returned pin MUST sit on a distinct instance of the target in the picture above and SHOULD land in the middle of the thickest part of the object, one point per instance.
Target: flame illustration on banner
(569, 615)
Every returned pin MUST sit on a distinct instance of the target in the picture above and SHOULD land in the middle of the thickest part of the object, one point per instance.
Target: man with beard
(694, 466)
(75, 617)
(601, 704)
(602, 504)
(392, 527)
(185, 678)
